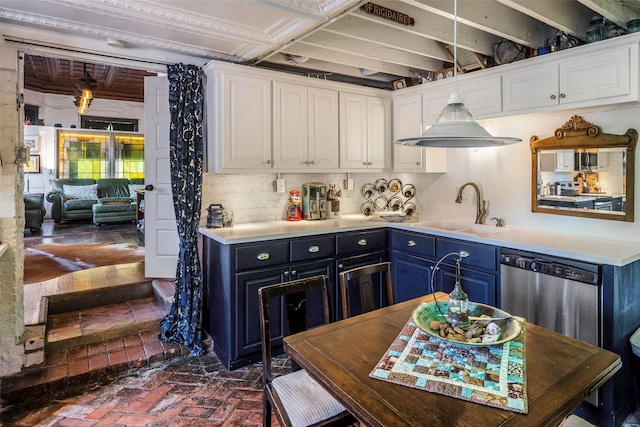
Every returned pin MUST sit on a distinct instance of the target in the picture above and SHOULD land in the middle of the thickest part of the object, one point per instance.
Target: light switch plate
(280, 185)
(348, 184)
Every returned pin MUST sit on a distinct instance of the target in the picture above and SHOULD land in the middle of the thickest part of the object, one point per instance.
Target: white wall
(59, 109)
(503, 174)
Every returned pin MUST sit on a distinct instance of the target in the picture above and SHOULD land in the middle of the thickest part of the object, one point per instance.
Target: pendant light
(85, 87)
(455, 127)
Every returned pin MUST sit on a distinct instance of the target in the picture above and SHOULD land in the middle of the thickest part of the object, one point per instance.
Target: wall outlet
(348, 184)
(280, 185)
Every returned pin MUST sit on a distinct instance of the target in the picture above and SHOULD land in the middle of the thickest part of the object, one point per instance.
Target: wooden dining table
(560, 372)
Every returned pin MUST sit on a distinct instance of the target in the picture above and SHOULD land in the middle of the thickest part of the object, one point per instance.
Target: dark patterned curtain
(183, 323)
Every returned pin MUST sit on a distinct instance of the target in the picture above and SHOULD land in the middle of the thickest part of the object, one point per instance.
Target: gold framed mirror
(581, 171)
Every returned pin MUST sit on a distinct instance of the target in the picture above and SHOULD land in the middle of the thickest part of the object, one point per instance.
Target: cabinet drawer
(262, 255)
(364, 241)
(313, 248)
(418, 244)
(480, 255)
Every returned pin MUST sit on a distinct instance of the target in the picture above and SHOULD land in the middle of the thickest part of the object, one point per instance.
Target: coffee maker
(314, 201)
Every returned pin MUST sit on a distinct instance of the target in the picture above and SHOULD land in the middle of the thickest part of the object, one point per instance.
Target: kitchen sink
(461, 227)
(484, 229)
(443, 225)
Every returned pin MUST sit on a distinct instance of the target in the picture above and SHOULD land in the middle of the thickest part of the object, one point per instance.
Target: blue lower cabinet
(415, 254)
(232, 275)
(479, 287)
(411, 276)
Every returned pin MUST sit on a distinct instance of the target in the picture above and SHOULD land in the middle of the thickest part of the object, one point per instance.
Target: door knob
(148, 187)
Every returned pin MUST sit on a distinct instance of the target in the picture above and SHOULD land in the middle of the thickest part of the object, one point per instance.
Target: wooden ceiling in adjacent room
(59, 76)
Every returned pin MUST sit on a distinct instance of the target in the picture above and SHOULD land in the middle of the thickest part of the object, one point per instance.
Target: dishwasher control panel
(565, 269)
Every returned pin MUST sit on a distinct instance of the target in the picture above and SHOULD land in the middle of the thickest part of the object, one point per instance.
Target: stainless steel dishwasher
(559, 294)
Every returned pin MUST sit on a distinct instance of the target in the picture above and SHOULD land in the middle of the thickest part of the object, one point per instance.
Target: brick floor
(183, 391)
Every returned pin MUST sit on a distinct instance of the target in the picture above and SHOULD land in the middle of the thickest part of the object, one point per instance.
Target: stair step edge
(101, 336)
(97, 297)
(164, 292)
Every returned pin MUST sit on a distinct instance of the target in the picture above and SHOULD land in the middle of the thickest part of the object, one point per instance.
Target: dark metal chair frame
(365, 275)
(294, 295)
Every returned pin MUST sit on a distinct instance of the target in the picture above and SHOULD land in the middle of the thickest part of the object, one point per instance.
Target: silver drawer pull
(411, 243)
(313, 249)
(362, 242)
(263, 256)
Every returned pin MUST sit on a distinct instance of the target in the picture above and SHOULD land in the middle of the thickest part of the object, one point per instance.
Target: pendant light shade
(456, 127)
(85, 87)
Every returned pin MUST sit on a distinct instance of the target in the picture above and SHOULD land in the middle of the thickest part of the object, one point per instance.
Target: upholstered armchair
(34, 211)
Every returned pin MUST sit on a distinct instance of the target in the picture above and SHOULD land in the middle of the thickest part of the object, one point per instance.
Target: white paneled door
(160, 234)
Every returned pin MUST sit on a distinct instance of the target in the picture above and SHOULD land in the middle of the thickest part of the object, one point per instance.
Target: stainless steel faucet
(481, 208)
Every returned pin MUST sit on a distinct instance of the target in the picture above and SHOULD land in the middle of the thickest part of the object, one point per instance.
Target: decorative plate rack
(391, 195)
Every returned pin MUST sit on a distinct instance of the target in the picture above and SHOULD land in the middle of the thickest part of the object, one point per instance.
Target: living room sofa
(103, 201)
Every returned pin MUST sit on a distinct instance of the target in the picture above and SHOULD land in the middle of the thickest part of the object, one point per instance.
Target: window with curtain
(95, 154)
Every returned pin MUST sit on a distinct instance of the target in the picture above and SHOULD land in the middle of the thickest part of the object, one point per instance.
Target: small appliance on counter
(218, 217)
(314, 201)
(293, 206)
(569, 188)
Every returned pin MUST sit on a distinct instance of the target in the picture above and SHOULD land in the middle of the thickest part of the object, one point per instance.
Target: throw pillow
(133, 188)
(80, 191)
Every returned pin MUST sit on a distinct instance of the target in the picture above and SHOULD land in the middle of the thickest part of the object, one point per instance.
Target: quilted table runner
(492, 375)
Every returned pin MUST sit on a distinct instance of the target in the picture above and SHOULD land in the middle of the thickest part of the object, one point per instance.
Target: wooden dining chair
(364, 299)
(295, 399)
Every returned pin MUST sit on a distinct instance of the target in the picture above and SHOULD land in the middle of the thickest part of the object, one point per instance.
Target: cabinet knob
(313, 249)
(268, 162)
(411, 243)
(562, 95)
(263, 256)
(552, 97)
(340, 266)
(362, 242)
(417, 163)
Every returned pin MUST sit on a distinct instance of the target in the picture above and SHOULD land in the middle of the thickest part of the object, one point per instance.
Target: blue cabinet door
(480, 287)
(248, 336)
(411, 276)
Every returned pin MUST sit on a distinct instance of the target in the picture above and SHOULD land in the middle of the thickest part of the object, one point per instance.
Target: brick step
(87, 366)
(102, 323)
(114, 294)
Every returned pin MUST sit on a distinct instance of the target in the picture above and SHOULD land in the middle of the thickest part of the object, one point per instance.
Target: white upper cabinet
(365, 131)
(407, 122)
(593, 79)
(305, 128)
(239, 129)
(565, 161)
(481, 94)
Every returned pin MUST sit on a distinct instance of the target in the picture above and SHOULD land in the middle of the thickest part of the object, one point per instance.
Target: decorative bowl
(427, 312)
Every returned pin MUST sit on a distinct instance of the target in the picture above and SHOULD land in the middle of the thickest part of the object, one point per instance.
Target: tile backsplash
(253, 199)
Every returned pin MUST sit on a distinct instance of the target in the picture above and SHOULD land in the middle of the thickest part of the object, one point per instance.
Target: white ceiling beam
(570, 17)
(438, 28)
(619, 12)
(489, 16)
(393, 37)
(313, 66)
(336, 57)
(372, 51)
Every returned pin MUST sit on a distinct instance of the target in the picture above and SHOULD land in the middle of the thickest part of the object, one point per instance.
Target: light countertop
(589, 249)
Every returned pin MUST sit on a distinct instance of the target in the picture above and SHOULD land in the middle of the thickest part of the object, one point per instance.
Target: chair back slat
(366, 279)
